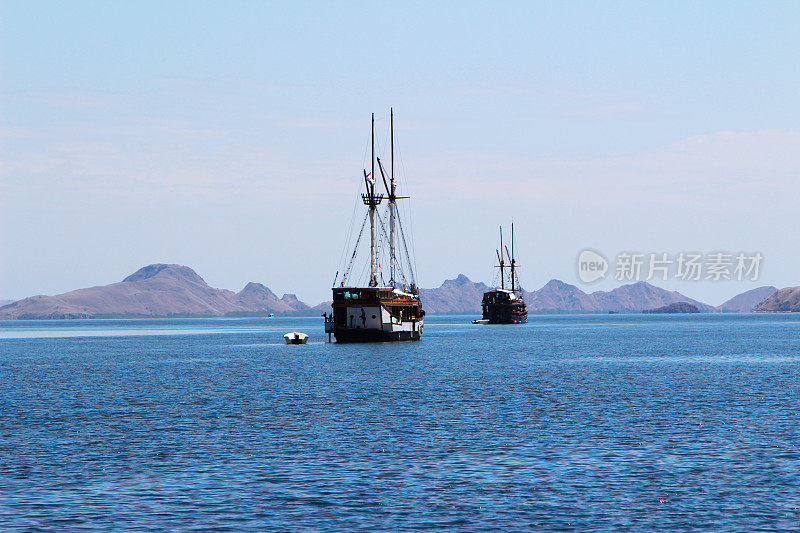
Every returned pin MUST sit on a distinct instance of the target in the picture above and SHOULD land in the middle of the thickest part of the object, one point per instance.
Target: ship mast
(372, 201)
(502, 263)
(392, 203)
(391, 191)
(513, 261)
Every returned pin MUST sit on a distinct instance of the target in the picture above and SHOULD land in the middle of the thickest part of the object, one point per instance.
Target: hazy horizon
(231, 139)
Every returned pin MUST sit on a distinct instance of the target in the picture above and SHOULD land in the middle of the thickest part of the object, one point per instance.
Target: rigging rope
(406, 269)
(349, 234)
(405, 248)
(401, 269)
(411, 255)
(355, 251)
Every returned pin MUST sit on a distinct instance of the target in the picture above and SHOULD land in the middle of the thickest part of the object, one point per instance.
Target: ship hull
(366, 335)
(504, 307)
(504, 315)
(374, 314)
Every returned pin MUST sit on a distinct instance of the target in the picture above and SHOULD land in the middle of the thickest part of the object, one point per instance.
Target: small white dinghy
(295, 337)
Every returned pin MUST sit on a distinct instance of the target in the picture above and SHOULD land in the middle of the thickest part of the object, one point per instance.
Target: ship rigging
(379, 311)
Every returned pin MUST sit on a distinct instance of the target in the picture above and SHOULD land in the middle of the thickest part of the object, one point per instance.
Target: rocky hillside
(257, 296)
(559, 296)
(642, 295)
(459, 295)
(747, 301)
(787, 299)
(324, 307)
(154, 291)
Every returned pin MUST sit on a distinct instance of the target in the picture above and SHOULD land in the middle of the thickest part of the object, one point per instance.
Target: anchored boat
(295, 337)
(505, 306)
(382, 310)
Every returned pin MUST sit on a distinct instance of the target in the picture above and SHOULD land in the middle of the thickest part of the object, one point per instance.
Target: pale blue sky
(219, 135)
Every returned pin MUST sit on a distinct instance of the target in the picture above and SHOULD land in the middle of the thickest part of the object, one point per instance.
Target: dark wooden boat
(505, 306)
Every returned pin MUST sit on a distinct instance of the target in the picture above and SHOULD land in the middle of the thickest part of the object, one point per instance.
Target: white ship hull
(397, 316)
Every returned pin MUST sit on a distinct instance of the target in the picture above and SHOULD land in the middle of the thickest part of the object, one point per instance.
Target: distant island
(784, 300)
(748, 301)
(171, 290)
(154, 291)
(676, 308)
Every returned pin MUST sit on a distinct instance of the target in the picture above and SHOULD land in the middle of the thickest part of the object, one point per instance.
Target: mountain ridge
(158, 290)
(165, 290)
(458, 295)
(556, 296)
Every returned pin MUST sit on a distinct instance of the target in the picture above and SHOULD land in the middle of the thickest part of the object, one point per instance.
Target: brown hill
(640, 296)
(324, 307)
(787, 299)
(159, 290)
(747, 301)
(559, 296)
(459, 295)
(257, 296)
(293, 303)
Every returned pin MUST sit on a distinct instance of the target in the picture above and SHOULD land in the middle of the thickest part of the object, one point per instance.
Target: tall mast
(502, 263)
(373, 274)
(392, 205)
(391, 131)
(513, 262)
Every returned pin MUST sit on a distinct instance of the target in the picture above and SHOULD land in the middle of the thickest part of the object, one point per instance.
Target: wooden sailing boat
(378, 312)
(504, 306)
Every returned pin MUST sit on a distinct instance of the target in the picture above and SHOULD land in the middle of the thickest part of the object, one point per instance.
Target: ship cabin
(502, 306)
(401, 305)
(500, 296)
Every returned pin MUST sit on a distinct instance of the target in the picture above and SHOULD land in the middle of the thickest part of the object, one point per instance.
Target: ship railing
(328, 322)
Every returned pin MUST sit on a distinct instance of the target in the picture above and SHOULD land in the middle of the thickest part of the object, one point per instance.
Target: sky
(230, 137)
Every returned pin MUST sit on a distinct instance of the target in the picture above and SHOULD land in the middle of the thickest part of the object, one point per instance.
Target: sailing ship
(381, 311)
(505, 306)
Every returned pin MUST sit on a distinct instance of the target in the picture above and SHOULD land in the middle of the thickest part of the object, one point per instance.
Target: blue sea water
(567, 423)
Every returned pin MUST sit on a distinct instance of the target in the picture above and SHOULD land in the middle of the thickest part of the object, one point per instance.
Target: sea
(567, 423)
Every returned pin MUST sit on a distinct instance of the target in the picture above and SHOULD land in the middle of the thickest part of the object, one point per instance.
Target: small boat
(271, 315)
(295, 337)
(483, 321)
